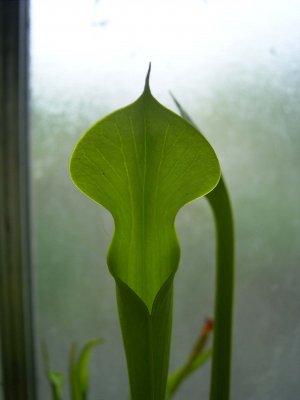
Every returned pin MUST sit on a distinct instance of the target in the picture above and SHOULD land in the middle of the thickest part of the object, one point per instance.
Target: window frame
(16, 283)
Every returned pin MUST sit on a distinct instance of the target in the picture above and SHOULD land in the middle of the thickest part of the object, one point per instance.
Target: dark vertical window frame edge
(16, 286)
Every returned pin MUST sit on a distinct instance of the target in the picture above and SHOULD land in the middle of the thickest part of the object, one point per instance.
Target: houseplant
(143, 163)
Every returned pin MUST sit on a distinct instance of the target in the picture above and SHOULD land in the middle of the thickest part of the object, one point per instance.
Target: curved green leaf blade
(143, 163)
(74, 384)
(79, 369)
(219, 201)
(177, 377)
(56, 380)
(195, 360)
(82, 368)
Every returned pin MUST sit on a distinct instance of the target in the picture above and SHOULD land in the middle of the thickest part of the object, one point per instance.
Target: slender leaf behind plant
(79, 369)
(196, 359)
(78, 372)
(221, 364)
(143, 163)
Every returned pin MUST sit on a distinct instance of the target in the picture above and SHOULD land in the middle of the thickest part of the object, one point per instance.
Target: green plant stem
(221, 360)
(147, 338)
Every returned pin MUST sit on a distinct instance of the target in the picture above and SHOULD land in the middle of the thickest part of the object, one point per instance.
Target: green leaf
(221, 363)
(143, 163)
(55, 379)
(83, 366)
(195, 360)
(74, 383)
(79, 370)
(176, 378)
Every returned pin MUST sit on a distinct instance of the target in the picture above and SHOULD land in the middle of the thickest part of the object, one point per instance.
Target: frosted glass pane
(235, 66)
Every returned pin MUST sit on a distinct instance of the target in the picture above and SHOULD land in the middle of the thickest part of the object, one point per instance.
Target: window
(234, 66)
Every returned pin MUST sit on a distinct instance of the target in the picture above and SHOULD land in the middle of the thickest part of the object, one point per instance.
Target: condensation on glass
(235, 67)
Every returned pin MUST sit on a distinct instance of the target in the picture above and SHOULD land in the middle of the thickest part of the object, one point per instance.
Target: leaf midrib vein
(143, 201)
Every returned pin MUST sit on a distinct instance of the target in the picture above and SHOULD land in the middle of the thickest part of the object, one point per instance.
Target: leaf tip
(147, 86)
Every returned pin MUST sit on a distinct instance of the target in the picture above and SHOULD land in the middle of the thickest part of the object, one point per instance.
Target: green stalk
(221, 361)
(147, 338)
